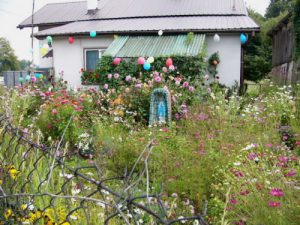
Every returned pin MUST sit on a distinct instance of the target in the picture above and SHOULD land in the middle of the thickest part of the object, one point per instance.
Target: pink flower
(202, 117)
(155, 74)
(105, 86)
(298, 143)
(54, 111)
(172, 67)
(116, 76)
(109, 76)
(185, 84)
(164, 69)
(269, 145)
(33, 79)
(246, 192)
(157, 79)
(65, 101)
(252, 156)
(191, 88)
(276, 192)
(291, 173)
(233, 201)
(128, 78)
(274, 204)
(283, 159)
(138, 86)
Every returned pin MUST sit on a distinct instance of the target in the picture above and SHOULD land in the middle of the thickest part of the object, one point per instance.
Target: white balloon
(217, 38)
(160, 32)
(150, 60)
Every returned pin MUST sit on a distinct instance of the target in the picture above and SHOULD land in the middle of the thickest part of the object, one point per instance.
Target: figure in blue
(161, 112)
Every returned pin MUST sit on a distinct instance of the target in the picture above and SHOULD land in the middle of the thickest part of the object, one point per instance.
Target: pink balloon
(71, 40)
(117, 61)
(141, 60)
(169, 62)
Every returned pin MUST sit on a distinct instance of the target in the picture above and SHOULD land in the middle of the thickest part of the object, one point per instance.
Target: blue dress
(161, 112)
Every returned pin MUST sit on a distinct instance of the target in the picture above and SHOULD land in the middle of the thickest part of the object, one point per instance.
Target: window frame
(85, 50)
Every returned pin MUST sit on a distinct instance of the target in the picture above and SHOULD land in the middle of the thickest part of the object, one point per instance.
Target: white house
(143, 18)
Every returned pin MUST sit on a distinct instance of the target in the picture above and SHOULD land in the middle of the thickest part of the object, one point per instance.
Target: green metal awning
(146, 46)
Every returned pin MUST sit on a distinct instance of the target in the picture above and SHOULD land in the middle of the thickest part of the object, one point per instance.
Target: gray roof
(62, 13)
(167, 24)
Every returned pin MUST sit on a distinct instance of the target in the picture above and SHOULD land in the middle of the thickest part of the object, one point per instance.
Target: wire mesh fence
(44, 185)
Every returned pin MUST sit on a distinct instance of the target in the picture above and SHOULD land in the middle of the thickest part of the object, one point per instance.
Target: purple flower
(116, 76)
(109, 76)
(128, 78)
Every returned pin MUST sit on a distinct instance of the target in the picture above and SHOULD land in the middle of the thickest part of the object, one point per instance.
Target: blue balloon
(147, 66)
(93, 34)
(243, 38)
(28, 78)
(38, 75)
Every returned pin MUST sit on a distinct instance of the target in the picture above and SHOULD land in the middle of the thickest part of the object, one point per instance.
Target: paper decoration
(217, 38)
(71, 40)
(141, 60)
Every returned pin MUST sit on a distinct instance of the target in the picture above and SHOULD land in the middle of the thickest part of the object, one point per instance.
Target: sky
(13, 12)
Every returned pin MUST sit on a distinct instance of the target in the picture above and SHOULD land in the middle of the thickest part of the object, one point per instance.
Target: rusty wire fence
(42, 185)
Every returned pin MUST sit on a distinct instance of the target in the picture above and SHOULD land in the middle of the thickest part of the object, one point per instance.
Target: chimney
(92, 6)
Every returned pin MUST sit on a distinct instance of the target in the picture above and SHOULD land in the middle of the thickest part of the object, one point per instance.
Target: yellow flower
(13, 173)
(8, 213)
(24, 206)
(1, 182)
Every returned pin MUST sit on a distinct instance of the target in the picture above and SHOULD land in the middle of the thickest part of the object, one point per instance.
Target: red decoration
(216, 62)
(71, 40)
(117, 61)
(169, 62)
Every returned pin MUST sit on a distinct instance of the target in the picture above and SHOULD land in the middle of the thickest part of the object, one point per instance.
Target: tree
(8, 59)
(277, 7)
(258, 52)
(24, 64)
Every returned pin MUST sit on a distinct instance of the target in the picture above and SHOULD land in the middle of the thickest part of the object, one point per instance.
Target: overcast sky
(13, 12)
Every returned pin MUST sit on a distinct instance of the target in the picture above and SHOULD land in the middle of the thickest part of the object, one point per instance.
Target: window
(92, 57)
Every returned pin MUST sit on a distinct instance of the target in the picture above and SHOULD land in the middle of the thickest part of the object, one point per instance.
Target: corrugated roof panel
(147, 46)
(115, 47)
(167, 24)
(116, 9)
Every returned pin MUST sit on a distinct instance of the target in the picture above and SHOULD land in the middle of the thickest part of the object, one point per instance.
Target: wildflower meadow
(231, 158)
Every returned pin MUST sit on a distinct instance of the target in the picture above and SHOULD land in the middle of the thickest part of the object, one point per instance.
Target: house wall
(44, 62)
(69, 58)
(229, 49)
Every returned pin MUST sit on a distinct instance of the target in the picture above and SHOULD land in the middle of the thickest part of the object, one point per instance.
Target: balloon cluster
(146, 63)
(29, 78)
